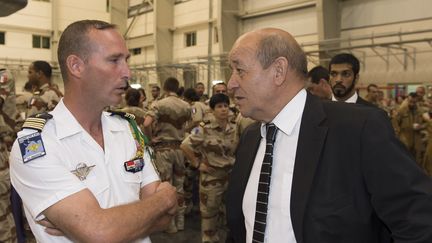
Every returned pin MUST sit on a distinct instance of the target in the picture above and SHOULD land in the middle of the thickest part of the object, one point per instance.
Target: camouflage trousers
(213, 218)
(7, 224)
(191, 177)
(170, 164)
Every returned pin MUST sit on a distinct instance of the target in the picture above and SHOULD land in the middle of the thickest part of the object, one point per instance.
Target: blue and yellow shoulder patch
(31, 146)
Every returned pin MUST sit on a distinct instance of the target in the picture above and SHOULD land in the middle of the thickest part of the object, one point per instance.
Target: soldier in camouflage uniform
(191, 176)
(198, 108)
(133, 106)
(242, 123)
(210, 148)
(170, 114)
(7, 133)
(155, 92)
(45, 97)
(408, 124)
(7, 224)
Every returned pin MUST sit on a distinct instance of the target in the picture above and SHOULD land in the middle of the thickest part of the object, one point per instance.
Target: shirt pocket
(132, 180)
(97, 184)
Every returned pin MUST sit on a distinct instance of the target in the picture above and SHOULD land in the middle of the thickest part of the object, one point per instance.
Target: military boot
(172, 227)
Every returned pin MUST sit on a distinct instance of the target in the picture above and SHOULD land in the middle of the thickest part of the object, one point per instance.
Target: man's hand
(50, 228)
(171, 197)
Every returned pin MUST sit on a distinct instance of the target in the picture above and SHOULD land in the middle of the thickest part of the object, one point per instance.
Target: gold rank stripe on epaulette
(37, 121)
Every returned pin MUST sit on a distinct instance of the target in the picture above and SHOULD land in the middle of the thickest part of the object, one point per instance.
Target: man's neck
(88, 116)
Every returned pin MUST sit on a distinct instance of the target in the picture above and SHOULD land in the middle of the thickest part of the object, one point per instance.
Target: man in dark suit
(318, 83)
(344, 73)
(338, 174)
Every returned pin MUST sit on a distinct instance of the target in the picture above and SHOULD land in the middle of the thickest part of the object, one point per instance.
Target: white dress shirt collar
(67, 125)
(287, 118)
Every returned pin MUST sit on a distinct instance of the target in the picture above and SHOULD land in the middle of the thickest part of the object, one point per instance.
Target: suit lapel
(310, 143)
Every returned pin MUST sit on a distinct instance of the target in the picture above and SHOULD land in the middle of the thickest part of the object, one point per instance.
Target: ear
(75, 65)
(356, 78)
(280, 66)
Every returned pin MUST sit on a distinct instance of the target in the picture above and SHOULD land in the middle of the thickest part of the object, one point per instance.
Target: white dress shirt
(279, 227)
(46, 180)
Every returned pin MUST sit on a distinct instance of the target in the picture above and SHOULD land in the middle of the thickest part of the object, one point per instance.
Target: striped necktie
(264, 186)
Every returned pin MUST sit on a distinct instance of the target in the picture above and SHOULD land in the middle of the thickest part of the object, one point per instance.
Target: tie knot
(271, 132)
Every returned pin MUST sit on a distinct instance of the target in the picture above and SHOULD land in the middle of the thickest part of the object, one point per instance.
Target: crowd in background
(194, 136)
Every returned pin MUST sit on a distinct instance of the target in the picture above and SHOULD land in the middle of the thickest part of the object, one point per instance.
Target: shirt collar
(67, 125)
(352, 99)
(289, 115)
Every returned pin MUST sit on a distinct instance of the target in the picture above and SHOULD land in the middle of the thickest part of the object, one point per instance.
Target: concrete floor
(191, 234)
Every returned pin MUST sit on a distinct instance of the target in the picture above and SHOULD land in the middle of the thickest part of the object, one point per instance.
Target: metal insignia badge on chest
(82, 170)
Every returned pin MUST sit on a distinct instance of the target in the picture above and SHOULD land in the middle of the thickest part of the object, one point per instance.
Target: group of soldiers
(168, 119)
(204, 129)
(411, 119)
(412, 123)
(40, 95)
(194, 137)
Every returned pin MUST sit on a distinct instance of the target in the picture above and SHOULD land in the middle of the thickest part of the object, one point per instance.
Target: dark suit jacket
(362, 101)
(352, 179)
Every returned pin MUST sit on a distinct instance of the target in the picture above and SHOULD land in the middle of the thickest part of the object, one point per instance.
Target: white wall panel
(71, 11)
(181, 51)
(191, 12)
(34, 15)
(147, 56)
(257, 4)
(144, 24)
(19, 46)
(298, 22)
(360, 13)
(19, 40)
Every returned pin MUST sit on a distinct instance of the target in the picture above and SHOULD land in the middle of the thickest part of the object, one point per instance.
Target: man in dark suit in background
(338, 174)
(344, 73)
(318, 83)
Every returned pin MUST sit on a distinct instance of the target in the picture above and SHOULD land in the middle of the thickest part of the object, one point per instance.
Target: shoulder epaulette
(37, 121)
(133, 125)
(125, 115)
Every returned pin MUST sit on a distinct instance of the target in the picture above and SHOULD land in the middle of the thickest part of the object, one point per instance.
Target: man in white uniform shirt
(85, 175)
(337, 172)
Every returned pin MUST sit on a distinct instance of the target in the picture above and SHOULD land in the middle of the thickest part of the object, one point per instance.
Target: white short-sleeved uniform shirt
(46, 180)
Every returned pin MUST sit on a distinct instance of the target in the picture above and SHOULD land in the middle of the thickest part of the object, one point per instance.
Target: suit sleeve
(401, 193)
